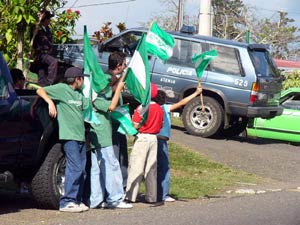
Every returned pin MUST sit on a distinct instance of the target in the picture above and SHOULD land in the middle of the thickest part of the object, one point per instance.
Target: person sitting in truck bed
(18, 78)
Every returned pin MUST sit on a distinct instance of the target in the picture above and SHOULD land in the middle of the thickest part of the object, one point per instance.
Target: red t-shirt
(154, 122)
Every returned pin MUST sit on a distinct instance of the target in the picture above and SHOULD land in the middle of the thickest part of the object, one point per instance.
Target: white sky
(132, 12)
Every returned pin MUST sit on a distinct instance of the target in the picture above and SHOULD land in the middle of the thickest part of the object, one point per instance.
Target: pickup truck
(240, 84)
(29, 147)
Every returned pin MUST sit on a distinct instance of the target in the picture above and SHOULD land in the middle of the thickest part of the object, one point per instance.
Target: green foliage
(63, 26)
(278, 32)
(228, 18)
(17, 19)
(292, 79)
(106, 32)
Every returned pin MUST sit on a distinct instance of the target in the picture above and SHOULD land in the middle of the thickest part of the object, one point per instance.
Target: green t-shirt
(70, 105)
(101, 134)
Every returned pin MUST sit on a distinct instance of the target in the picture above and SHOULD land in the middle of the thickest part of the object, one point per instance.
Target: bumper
(264, 112)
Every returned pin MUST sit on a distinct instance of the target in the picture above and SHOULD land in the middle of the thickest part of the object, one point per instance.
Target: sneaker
(71, 207)
(102, 205)
(121, 205)
(83, 207)
(169, 199)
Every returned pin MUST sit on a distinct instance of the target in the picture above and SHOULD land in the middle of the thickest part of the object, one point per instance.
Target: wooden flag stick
(201, 96)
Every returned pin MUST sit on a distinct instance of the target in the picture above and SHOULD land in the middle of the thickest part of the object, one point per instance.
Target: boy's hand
(199, 90)
(52, 109)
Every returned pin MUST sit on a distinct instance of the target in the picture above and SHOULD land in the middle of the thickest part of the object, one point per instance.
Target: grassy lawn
(194, 176)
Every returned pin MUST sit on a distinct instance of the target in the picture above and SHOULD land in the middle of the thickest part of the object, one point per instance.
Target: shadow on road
(12, 202)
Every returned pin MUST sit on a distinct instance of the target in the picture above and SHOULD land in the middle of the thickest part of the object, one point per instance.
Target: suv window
(227, 62)
(263, 64)
(126, 43)
(183, 52)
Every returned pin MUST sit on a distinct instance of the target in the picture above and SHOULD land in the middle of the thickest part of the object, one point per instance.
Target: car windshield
(263, 64)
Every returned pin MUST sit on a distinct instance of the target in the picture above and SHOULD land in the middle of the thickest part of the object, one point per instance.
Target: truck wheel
(238, 125)
(205, 123)
(48, 183)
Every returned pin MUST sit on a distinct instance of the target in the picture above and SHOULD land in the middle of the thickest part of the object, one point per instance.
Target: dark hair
(69, 80)
(161, 97)
(115, 59)
(17, 75)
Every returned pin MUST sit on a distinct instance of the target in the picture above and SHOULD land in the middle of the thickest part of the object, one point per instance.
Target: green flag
(97, 80)
(138, 77)
(121, 114)
(202, 60)
(159, 42)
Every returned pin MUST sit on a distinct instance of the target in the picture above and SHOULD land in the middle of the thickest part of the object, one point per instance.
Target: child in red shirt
(143, 162)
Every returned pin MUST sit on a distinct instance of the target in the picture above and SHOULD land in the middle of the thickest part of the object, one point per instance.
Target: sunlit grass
(194, 176)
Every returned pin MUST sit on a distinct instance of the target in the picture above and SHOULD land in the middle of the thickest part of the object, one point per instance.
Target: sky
(94, 13)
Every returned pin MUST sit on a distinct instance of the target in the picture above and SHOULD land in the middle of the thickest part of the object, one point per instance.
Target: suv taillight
(254, 92)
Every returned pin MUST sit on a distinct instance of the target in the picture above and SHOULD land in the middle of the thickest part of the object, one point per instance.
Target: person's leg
(52, 67)
(73, 173)
(121, 152)
(112, 176)
(82, 153)
(136, 166)
(163, 170)
(151, 170)
(97, 183)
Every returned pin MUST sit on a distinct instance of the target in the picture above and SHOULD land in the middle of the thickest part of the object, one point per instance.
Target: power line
(104, 3)
(278, 10)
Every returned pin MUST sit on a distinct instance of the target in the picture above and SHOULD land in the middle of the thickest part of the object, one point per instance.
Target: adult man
(42, 45)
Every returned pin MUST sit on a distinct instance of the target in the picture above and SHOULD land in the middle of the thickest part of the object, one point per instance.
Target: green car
(285, 127)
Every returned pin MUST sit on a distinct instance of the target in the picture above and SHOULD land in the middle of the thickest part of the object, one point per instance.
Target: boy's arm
(185, 100)
(115, 99)
(51, 106)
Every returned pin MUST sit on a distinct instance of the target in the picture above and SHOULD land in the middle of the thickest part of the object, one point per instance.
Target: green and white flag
(138, 77)
(121, 114)
(202, 60)
(159, 42)
(97, 80)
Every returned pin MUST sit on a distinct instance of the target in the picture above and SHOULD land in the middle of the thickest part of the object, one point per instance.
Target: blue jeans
(121, 152)
(106, 178)
(163, 170)
(75, 172)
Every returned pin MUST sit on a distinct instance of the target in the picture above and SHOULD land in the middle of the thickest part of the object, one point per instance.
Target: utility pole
(205, 18)
(180, 15)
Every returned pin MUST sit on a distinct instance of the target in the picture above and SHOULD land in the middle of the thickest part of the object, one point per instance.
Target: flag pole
(201, 96)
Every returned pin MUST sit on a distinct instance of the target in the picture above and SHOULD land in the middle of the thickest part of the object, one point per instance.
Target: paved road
(277, 161)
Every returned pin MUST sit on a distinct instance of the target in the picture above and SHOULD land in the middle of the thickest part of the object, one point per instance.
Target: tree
(106, 32)
(228, 19)
(17, 19)
(277, 32)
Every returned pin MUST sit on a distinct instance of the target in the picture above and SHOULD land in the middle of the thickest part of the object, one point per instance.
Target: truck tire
(206, 123)
(238, 125)
(48, 183)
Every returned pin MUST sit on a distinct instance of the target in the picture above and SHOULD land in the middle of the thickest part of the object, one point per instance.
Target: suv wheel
(48, 183)
(205, 123)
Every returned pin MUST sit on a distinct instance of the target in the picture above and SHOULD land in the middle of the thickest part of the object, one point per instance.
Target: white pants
(143, 164)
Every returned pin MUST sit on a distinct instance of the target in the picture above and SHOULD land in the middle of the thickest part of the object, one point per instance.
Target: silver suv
(238, 85)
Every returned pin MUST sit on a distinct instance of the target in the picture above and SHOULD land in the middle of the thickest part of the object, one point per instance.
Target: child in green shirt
(70, 104)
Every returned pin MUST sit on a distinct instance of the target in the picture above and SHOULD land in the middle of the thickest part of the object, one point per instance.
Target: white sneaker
(121, 205)
(169, 199)
(83, 207)
(71, 207)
